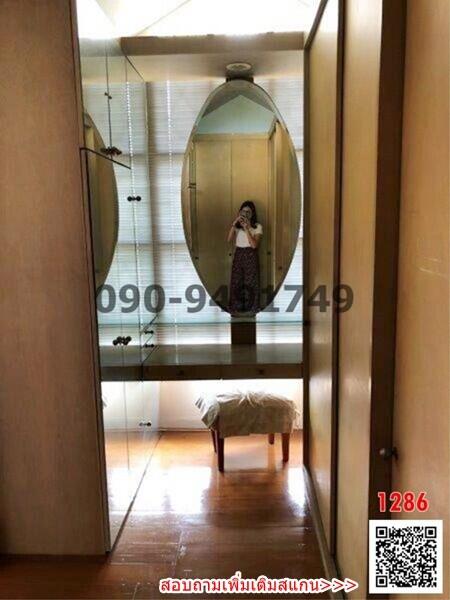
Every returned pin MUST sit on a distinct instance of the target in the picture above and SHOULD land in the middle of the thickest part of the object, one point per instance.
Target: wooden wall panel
(323, 104)
(51, 499)
(213, 209)
(362, 42)
(421, 411)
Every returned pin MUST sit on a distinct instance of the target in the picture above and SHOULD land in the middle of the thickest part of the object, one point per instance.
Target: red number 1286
(406, 501)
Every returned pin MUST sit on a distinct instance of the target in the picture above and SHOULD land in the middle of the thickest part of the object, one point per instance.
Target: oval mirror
(241, 197)
(104, 203)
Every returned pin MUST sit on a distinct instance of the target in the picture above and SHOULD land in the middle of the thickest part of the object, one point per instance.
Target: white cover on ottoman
(243, 413)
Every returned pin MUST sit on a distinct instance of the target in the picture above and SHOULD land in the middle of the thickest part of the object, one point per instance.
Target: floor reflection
(127, 453)
(189, 520)
(180, 490)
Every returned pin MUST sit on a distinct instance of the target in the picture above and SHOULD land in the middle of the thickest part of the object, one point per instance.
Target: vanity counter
(208, 361)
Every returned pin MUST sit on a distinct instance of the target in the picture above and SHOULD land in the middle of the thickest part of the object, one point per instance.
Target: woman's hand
(244, 222)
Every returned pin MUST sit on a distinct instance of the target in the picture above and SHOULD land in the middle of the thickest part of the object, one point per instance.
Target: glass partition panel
(140, 191)
(140, 395)
(94, 80)
(118, 102)
(119, 484)
(115, 154)
(105, 187)
(127, 290)
(142, 417)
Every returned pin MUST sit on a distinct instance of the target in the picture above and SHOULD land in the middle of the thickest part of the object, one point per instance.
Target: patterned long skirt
(244, 284)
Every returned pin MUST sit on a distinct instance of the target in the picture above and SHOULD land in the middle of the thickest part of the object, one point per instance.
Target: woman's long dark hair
(254, 219)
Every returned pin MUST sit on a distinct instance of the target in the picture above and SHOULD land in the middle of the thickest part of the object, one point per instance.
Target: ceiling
(202, 52)
(275, 55)
(199, 17)
(198, 67)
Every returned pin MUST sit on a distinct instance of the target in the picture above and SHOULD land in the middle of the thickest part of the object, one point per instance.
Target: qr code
(405, 556)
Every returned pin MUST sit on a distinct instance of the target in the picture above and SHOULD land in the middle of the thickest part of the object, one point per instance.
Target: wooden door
(322, 172)
(371, 151)
(353, 116)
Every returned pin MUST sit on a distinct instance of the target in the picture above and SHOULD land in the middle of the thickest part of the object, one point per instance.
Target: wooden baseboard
(327, 560)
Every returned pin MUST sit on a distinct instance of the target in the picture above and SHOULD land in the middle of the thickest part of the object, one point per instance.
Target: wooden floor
(190, 521)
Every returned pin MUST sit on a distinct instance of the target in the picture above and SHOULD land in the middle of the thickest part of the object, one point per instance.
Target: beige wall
(51, 494)
(360, 129)
(322, 185)
(421, 415)
(177, 399)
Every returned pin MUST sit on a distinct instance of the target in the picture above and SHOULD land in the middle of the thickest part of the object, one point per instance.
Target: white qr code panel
(405, 556)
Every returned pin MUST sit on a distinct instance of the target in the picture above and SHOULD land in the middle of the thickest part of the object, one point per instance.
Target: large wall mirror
(241, 197)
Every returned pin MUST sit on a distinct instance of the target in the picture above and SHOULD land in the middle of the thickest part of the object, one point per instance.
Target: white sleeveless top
(242, 238)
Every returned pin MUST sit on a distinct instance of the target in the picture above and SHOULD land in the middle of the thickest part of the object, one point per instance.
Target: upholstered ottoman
(242, 413)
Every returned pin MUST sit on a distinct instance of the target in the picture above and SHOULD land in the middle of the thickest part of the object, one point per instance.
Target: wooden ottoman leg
(271, 438)
(220, 452)
(285, 438)
(213, 435)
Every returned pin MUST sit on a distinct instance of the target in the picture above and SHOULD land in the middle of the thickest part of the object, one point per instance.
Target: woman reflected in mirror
(245, 234)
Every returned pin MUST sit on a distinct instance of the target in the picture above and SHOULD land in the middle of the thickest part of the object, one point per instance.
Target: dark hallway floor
(188, 520)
